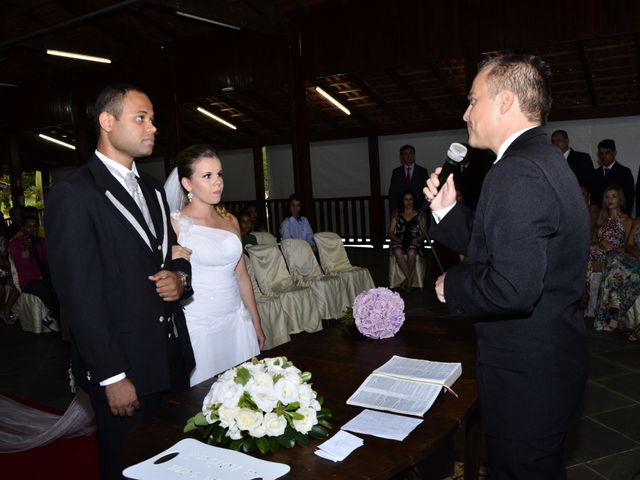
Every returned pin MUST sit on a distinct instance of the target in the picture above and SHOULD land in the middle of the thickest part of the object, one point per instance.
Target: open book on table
(405, 385)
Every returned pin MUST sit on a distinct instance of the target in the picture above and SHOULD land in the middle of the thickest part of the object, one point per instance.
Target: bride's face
(206, 182)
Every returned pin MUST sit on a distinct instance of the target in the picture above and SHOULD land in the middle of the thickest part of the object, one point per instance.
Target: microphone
(455, 155)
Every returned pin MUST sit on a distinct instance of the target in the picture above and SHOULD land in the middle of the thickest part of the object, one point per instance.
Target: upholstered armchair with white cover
(334, 261)
(274, 324)
(328, 290)
(30, 309)
(265, 238)
(298, 303)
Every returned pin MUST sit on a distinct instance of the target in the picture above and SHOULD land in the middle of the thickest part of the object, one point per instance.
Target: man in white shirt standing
(522, 279)
(110, 245)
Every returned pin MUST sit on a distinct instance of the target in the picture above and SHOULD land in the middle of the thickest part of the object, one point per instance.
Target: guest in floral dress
(620, 286)
(609, 235)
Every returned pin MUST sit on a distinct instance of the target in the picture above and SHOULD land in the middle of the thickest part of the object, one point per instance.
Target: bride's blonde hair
(185, 161)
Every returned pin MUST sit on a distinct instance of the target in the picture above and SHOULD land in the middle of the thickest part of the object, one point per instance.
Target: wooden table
(339, 362)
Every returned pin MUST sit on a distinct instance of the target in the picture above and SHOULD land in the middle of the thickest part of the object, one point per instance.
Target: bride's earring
(190, 196)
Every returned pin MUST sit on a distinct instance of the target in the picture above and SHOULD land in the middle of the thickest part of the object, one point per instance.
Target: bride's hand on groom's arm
(178, 251)
(169, 285)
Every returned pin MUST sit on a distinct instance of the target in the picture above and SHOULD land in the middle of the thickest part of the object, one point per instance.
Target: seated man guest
(244, 219)
(295, 225)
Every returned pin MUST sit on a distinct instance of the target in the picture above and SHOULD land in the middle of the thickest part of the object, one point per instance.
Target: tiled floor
(605, 444)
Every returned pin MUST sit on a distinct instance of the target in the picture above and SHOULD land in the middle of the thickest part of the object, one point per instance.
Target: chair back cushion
(333, 256)
(269, 268)
(265, 238)
(302, 264)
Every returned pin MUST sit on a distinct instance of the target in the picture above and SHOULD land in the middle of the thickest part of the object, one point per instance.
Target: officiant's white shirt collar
(507, 143)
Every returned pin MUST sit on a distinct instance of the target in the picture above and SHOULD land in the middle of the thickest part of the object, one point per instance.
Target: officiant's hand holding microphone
(441, 193)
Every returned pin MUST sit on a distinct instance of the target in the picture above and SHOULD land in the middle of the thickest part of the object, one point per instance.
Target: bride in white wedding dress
(222, 316)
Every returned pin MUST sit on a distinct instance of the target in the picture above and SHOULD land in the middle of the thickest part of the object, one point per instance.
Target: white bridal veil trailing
(175, 195)
(23, 427)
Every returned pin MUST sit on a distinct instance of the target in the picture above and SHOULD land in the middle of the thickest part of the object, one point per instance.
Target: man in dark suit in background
(580, 162)
(609, 173)
(110, 246)
(408, 176)
(523, 276)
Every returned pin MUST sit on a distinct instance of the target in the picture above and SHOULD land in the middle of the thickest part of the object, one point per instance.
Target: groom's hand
(168, 285)
(122, 398)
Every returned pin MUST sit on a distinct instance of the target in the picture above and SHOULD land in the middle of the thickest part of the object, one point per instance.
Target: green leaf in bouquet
(273, 444)
(189, 426)
(277, 377)
(293, 406)
(280, 408)
(200, 420)
(263, 445)
(242, 376)
(295, 416)
(287, 441)
(289, 420)
(236, 444)
(318, 431)
(219, 434)
(246, 401)
(250, 443)
(305, 377)
(320, 399)
(301, 439)
(324, 423)
(324, 413)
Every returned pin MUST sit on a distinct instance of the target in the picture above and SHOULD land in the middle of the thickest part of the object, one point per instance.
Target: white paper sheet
(198, 461)
(338, 447)
(381, 424)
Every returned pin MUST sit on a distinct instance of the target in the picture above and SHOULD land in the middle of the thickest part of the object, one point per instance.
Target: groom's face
(133, 132)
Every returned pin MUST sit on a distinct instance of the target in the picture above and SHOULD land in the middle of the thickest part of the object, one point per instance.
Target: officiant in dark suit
(408, 176)
(523, 276)
(110, 245)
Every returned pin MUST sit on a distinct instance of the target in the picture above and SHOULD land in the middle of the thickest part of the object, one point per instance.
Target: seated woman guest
(620, 286)
(29, 255)
(246, 225)
(295, 225)
(609, 235)
(407, 232)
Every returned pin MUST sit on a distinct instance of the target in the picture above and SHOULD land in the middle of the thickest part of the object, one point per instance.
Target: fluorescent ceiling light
(78, 56)
(207, 20)
(216, 118)
(333, 100)
(8, 84)
(55, 140)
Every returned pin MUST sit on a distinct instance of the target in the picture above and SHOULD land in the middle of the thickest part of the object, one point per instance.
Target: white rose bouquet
(266, 403)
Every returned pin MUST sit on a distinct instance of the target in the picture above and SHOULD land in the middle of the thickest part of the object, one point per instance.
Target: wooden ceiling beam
(250, 113)
(406, 88)
(336, 94)
(462, 102)
(373, 95)
(218, 11)
(269, 105)
(586, 69)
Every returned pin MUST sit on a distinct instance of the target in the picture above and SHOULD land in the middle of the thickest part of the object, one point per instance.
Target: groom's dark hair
(110, 100)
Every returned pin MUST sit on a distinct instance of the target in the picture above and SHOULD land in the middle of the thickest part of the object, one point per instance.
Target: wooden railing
(353, 218)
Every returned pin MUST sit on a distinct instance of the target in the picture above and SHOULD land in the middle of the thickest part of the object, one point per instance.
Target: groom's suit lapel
(126, 208)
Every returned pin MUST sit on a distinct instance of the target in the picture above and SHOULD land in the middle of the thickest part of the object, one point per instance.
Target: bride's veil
(173, 189)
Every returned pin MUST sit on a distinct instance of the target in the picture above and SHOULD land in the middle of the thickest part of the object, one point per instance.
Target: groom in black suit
(523, 276)
(110, 243)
